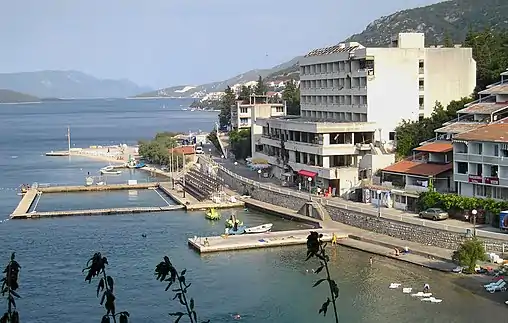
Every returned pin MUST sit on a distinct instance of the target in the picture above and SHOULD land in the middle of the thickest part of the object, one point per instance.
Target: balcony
(343, 173)
(481, 159)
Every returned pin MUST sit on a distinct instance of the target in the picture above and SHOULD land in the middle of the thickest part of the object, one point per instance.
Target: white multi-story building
(243, 115)
(352, 98)
(351, 83)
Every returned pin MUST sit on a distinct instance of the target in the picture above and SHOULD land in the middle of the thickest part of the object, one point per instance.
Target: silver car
(434, 214)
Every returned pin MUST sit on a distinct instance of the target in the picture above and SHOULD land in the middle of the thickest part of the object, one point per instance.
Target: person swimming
(426, 288)
(371, 261)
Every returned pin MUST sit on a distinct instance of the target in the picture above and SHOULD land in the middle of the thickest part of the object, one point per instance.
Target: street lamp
(210, 151)
(474, 212)
(236, 163)
(310, 188)
(259, 173)
(379, 203)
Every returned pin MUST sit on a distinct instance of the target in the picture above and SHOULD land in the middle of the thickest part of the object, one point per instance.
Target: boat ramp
(259, 240)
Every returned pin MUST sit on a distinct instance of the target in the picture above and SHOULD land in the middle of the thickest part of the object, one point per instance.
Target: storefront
(307, 179)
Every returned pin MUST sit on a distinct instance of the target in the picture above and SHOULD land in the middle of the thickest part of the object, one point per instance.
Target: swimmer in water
(371, 261)
(237, 316)
(426, 288)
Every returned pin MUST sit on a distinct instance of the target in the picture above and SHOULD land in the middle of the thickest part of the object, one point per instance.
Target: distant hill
(8, 96)
(68, 84)
(190, 91)
(450, 18)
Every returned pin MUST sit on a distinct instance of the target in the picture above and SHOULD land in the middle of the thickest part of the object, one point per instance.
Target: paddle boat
(260, 228)
(432, 300)
(421, 294)
(407, 290)
(232, 231)
(394, 285)
(212, 214)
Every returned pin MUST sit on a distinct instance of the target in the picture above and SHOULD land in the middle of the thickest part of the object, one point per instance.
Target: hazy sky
(171, 42)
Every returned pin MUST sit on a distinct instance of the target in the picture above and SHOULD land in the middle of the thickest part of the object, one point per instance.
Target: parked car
(434, 214)
(199, 150)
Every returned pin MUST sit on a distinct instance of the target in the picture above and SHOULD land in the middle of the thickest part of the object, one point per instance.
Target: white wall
(393, 92)
(450, 74)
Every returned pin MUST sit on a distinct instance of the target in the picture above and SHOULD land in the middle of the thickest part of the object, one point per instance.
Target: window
(279, 109)
(479, 169)
(496, 150)
(480, 149)
(462, 168)
(421, 102)
(421, 66)
(391, 135)
(479, 190)
(243, 110)
(494, 170)
(244, 121)
(421, 85)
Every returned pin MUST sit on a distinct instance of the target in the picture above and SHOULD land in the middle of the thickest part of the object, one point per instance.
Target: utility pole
(183, 170)
(171, 169)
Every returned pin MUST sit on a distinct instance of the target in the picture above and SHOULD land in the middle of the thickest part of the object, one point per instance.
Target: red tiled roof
(419, 169)
(436, 147)
(186, 150)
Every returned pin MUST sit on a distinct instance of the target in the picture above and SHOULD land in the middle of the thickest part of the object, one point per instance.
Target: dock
(26, 202)
(256, 241)
(91, 212)
(97, 188)
(192, 204)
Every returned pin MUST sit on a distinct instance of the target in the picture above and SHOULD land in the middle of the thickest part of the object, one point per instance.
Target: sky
(161, 43)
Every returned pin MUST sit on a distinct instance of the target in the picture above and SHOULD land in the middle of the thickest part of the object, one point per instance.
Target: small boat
(230, 223)
(432, 300)
(407, 290)
(212, 214)
(394, 285)
(139, 165)
(260, 228)
(239, 230)
(110, 170)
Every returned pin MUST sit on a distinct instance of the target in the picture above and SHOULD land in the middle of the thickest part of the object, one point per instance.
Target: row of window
(336, 116)
(334, 99)
(479, 169)
(487, 149)
(500, 193)
(335, 83)
(334, 67)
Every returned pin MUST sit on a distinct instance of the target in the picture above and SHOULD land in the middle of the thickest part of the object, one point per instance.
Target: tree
(227, 102)
(240, 141)
(260, 88)
(9, 287)
(469, 253)
(447, 41)
(411, 133)
(245, 93)
(96, 266)
(166, 272)
(490, 50)
(291, 94)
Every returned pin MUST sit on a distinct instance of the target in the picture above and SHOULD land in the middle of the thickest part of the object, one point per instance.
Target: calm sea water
(270, 285)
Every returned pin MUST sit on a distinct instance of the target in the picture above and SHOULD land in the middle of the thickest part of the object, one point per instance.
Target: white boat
(260, 228)
(407, 290)
(110, 170)
(422, 294)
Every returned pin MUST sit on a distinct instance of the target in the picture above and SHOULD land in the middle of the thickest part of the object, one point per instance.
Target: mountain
(8, 96)
(190, 91)
(68, 84)
(451, 19)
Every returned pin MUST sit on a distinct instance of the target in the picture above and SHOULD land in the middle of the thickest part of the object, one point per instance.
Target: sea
(269, 285)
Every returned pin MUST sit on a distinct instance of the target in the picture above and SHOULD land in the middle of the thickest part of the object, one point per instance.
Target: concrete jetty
(97, 188)
(26, 202)
(191, 203)
(111, 211)
(256, 241)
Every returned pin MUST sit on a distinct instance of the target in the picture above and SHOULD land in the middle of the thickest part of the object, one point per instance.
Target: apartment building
(351, 83)
(481, 162)
(244, 114)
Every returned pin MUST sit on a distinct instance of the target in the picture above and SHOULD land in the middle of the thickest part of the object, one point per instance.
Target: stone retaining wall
(399, 230)
(261, 194)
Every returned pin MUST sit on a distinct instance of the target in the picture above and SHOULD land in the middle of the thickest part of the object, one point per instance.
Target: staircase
(201, 186)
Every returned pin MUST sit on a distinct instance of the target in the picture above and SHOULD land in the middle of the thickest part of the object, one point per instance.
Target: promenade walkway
(241, 171)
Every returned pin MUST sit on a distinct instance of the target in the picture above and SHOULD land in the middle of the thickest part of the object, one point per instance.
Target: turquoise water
(270, 285)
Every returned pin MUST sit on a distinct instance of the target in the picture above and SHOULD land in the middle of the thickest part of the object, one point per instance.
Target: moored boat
(109, 170)
(230, 223)
(212, 214)
(232, 231)
(260, 228)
